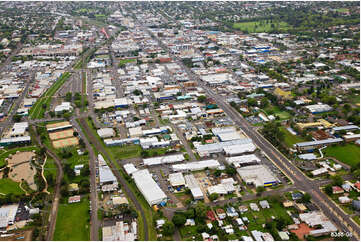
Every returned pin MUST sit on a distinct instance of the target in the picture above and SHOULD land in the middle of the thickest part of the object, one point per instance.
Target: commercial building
(197, 165)
(318, 108)
(7, 216)
(106, 177)
(243, 160)
(152, 193)
(193, 185)
(318, 219)
(121, 231)
(176, 179)
(163, 160)
(106, 132)
(257, 175)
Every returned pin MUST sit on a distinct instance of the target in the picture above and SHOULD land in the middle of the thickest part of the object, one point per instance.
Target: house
(73, 187)
(243, 208)
(160, 223)
(357, 186)
(211, 215)
(264, 204)
(337, 190)
(254, 207)
(74, 199)
(283, 235)
(344, 199)
(296, 196)
(190, 222)
(205, 236)
(220, 213)
(356, 204)
(231, 212)
(347, 187)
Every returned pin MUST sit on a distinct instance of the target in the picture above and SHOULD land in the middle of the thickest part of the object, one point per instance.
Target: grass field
(6, 153)
(258, 26)
(37, 111)
(348, 154)
(291, 139)
(125, 61)
(124, 152)
(283, 115)
(8, 186)
(342, 10)
(72, 222)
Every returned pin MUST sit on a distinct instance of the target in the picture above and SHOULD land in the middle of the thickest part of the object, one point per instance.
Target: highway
(301, 181)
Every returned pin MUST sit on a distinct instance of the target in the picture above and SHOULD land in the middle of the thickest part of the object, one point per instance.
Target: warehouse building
(208, 149)
(106, 132)
(7, 216)
(130, 168)
(107, 180)
(318, 108)
(197, 165)
(176, 179)
(193, 185)
(149, 188)
(243, 160)
(163, 160)
(257, 175)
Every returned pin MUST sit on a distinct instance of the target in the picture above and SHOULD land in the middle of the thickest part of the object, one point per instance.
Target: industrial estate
(203, 121)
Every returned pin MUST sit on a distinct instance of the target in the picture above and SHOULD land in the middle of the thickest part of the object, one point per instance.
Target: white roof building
(129, 168)
(176, 179)
(64, 106)
(258, 175)
(163, 160)
(197, 165)
(106, 132)
(148, 187)
(243, 160)
(193, 185)
(7, 215)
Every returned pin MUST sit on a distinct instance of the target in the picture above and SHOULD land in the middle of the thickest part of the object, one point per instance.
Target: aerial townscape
(180, 121)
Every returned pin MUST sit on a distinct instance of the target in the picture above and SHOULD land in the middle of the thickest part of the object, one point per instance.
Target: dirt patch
(302, 231)
(22, 169)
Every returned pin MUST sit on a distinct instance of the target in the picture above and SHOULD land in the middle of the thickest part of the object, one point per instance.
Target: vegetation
(261, 26)
(72, 222)
(348, 153)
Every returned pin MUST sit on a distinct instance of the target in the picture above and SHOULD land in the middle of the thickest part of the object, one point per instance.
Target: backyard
(72, 222)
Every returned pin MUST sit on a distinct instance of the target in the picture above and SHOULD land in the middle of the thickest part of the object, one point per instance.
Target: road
(59, 177)
(95, 223)
(117, 174)
(302, 182)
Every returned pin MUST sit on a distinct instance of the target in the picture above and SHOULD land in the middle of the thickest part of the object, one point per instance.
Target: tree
(201, 99)
(306, 198)
(260, 190)
(168, 228)
(179, 219)
(337, 180)
(328, 189)
(17, 118)
(200, 210)
(252, 102)
(264, 102)
(213, 196)
(85, 171)
(68, 96)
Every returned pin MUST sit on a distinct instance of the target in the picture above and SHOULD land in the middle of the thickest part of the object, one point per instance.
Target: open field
(283, 115)
(125, 61)
(125, 152)
(291, 139)
(348, 154)
(37, 111)
(260, 26)
(72, 222)
(8, 186)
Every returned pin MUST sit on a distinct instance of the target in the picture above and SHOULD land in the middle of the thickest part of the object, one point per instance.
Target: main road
(301, 181)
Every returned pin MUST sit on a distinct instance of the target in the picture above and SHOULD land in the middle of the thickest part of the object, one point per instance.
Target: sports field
(61, 143)
(61, 134)
(348, 154)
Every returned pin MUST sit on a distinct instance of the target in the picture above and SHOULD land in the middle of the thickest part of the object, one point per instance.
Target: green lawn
(37, 111)
(9, 186)
(72, 222)
(188, 232)
(342, 10)
(283, 115)
(125, 61)
(348, 154)
(260, 26)
(291, 139)
(6, 153)
(356, 219)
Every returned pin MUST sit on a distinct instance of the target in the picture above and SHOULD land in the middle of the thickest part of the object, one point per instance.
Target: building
(319, 220)
(318, 108)
(196, 165)
(7, 216)
(107, 180)
(106, 132)
(163, 160)
(243, 160)
(311, 145)
(121, 231)
(176, 179)
(152, 193)
(257, 175)
(74, 199)
(193, 185)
